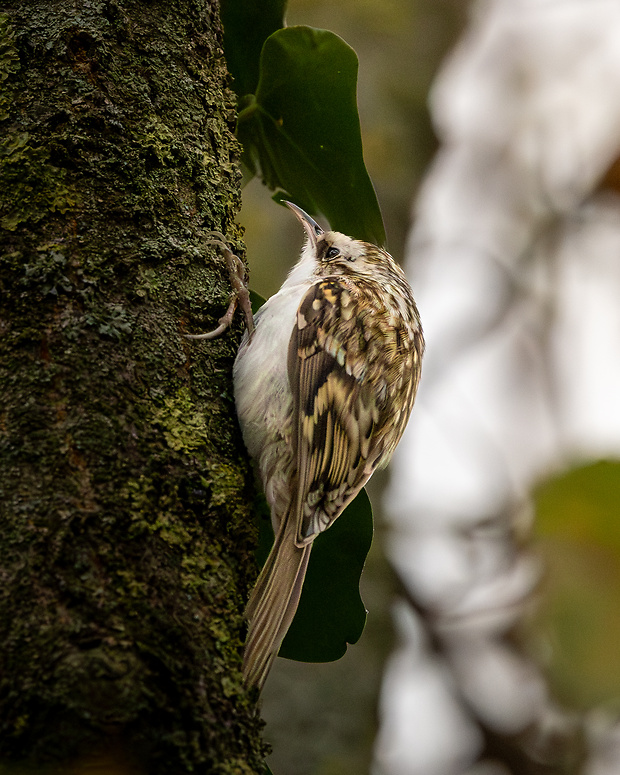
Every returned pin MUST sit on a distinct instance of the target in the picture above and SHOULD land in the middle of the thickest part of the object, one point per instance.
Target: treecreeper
(324, 387)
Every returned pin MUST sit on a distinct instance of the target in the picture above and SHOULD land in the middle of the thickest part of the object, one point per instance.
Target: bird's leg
(241, 295)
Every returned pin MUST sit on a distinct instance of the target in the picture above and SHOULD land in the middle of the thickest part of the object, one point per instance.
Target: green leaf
(247, 24)
(256, 300)
(578, 531)
(331, 613)
(302, 130)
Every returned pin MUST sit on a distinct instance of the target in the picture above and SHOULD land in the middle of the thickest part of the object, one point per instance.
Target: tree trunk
(127, 542)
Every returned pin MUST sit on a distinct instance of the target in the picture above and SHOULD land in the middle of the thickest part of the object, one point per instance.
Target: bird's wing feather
(335, 405)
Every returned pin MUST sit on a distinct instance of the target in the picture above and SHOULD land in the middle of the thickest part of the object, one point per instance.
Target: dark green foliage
(247, 25)
(331, 613)
(298, 119)
(302, 130)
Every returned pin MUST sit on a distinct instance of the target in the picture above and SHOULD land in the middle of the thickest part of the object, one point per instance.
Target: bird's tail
(273, 603)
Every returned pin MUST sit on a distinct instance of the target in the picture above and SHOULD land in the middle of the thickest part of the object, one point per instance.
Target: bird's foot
(241, 295)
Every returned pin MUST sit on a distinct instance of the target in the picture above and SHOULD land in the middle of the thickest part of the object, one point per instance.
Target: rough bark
(126, 548)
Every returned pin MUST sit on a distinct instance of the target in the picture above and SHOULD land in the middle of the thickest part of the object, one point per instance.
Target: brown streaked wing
(335, 412)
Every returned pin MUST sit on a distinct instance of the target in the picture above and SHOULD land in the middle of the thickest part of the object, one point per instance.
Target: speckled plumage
(324, 388)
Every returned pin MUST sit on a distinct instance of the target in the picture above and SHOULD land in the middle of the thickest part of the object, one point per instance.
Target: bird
(324, 387)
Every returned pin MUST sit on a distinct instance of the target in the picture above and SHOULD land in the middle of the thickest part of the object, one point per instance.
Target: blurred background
(491, 132)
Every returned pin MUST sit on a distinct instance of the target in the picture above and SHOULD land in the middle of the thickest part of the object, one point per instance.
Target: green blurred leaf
(578, 529)
(331, 613)
(582, 505)
(247, 24)
(302, 130)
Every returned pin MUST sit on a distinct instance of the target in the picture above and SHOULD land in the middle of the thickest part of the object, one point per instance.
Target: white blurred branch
(514, 261)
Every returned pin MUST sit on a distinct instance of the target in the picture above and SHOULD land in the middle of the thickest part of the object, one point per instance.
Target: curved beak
(312, 228)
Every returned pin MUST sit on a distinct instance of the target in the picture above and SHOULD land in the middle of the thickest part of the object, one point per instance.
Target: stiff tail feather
(273, 602)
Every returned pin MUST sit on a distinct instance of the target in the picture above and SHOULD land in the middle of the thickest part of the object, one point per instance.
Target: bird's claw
(241, 295)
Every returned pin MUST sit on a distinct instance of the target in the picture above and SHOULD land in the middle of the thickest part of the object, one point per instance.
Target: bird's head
(335, 253)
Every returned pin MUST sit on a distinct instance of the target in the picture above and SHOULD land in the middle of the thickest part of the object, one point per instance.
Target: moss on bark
(127, 541)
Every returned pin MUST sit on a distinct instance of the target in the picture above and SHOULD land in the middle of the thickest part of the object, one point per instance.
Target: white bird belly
(263, 394)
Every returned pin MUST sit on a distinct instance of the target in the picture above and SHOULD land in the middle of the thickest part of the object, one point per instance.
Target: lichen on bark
(127, 537)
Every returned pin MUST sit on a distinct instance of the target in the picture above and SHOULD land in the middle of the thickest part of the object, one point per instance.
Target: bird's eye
(332, 253)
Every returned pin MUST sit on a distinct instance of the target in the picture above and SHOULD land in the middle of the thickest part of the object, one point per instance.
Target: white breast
(262, 391)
